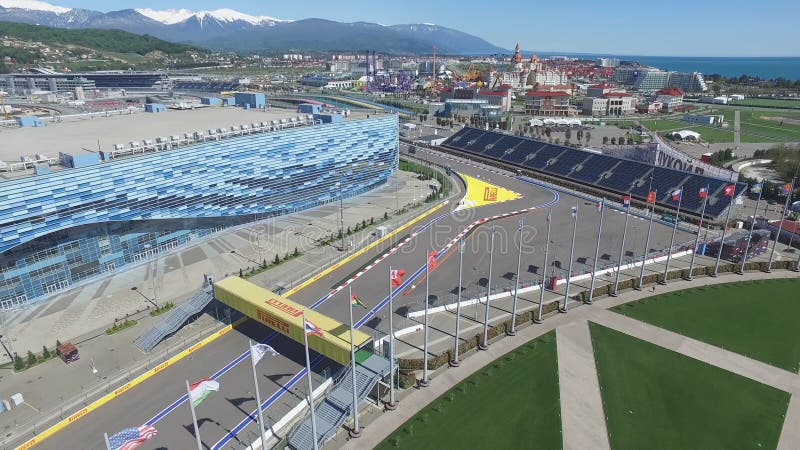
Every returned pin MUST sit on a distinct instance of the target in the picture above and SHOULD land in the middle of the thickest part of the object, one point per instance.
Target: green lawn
(757, 319)
(655, 398)
(756, 127)
(774, 103)
(512, 403)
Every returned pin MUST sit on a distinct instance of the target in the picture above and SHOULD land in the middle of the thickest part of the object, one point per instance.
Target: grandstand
(603, 173)
(206, 86)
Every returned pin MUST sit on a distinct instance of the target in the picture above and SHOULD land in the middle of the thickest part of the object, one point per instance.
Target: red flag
(703, 192)
(431, 260)
(626, 201)
(728, 190)
(651, 197)
(396, 277)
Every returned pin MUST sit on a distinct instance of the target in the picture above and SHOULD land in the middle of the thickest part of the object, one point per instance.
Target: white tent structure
(686, 135)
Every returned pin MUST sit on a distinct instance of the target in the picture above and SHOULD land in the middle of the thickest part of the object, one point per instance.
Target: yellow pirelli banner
(285, 317)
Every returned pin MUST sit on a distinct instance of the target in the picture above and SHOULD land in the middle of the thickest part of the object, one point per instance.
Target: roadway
(160, 400)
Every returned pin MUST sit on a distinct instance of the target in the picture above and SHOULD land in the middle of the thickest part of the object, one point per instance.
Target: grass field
(656, 398)
(509, 404)
(757, 128)
(773, 103)
(757, 319)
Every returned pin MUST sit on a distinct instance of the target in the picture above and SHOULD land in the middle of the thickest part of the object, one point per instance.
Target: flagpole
(485, 344)
(513, 329)
(621, 248)
(392, 403)
(639, 286)
(538, 318)
(672, 239)
(596, 251)
(108, 444)
(455, 362)
(750, 234)
(697, 238)
(780, 226)
(724, 230)
(424, 381)
(258, 396)
(194, 417)
(571, 256)
(310, 387)
(356, 431)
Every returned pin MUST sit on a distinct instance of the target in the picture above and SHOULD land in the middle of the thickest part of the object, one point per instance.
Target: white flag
(259, 350)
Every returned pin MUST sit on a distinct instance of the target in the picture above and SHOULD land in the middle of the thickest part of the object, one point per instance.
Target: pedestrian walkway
(585, 431)
(81, 315)
(583, 422)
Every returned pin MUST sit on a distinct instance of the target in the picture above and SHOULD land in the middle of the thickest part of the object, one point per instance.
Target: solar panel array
(607, 173)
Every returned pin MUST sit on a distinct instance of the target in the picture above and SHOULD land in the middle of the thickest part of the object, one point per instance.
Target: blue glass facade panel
(66, 226)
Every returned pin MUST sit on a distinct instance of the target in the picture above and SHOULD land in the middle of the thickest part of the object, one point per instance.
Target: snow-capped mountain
(173, 16)
(34, 5)
(229, 29)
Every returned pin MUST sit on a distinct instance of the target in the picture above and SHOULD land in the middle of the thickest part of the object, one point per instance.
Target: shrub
(31, 358)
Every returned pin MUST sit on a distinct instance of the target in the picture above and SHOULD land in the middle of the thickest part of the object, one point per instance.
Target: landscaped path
(583, 419)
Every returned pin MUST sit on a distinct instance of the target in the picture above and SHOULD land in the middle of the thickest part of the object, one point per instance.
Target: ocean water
(772, 67)
(766, 68)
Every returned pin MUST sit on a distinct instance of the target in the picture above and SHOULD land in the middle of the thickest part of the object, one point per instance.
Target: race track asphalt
(159, 398)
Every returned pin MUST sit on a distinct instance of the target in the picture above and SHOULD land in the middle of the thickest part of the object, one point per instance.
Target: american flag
(130, 438)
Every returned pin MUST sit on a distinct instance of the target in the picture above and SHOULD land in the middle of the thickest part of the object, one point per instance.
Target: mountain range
(226, 29)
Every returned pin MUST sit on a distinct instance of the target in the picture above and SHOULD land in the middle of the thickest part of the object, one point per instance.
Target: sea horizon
(766, 67)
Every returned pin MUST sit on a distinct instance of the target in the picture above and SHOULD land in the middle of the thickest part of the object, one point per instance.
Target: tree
(385, 215)
(613, 141)
(19, 364)
(45, 352)
(588, 136)
(277, 259)
(264, 263)
(605, 140)
(547, 132)
(241, 273)
(557, 141)
(58, 344)
(286, 256)
(630, 140)
(716, 88)
(295, 252)
(567, 134)
(371, 220)
(31, 358)
(579, 135)
(364, 223)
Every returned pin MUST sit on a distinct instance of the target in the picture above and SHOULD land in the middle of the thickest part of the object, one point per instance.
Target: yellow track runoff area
(480, 193)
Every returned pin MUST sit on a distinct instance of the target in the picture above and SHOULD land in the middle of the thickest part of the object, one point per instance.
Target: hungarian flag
(200, 389)
(729, 190)
(703, 192)
(130, 438)
(626, 201)
(786, 188)
(313, 329)
(676, 194)
(355, 301)
(396, 277)
(431, 260)
(651, 197)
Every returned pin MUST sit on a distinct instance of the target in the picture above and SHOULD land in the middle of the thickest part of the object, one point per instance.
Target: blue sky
(641, 27)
